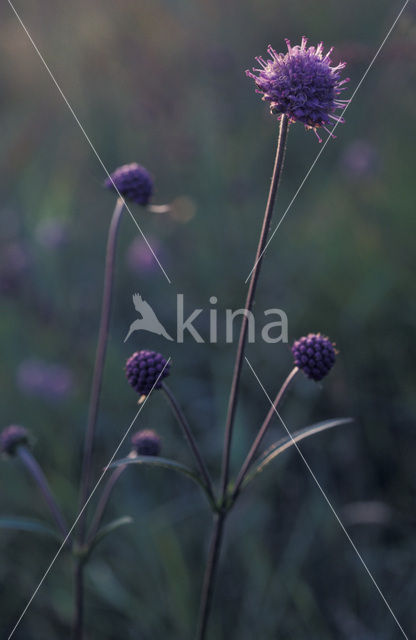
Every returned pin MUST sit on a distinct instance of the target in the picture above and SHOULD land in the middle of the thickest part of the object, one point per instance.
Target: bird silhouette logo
(148, 321)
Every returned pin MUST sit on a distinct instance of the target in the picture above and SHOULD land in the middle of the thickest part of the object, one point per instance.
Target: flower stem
(99, 361)
(32, 465)
(93, 411)
(219, 518)
(78, 624)
(102, 504)
(180, 417)
(278, 165)
(258, 439)
(210, 574)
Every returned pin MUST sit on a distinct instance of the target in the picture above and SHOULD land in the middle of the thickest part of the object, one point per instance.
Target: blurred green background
(163, 83)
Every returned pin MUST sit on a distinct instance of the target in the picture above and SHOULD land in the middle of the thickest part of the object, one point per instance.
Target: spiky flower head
(315, 355)
(301, 84)
(11, 437)
(133, 182)
(145, 371)
(146, 443)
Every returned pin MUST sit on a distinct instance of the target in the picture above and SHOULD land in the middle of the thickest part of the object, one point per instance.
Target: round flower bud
(146, 443)
(301, 84)
(11, 437)
(315, 355)
(145, 371)
(133, 182)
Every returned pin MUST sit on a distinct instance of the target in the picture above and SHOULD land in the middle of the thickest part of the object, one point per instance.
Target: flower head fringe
(302, 84)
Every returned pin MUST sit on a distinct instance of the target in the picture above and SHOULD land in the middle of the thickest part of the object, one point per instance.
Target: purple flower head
(145, 371)
(11, 437)
(315, 355)
(133, 182)
(15, 263)
(146, 443)
(301, 84)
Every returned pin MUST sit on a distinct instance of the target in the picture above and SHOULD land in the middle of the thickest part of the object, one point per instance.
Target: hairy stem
(102, 504)
(260, 435)
(210, 574)
(278, 165)
(32, 465)
(180, 417)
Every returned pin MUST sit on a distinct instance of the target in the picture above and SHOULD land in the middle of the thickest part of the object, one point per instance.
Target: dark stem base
(210, 575)
(78, 624)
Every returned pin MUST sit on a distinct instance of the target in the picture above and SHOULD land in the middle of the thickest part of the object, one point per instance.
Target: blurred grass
(163, 83)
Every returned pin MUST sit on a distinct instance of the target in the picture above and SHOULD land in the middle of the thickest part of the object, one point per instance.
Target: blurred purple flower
(11, 437)
(52, 233)
(146, 443)
(51, 382)
(360, 159)
(139, 258)
(15, 261)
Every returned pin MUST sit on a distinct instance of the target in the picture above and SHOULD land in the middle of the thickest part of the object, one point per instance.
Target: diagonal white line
(65, 99)
(85, 505)
(327, 500)
(327, 140)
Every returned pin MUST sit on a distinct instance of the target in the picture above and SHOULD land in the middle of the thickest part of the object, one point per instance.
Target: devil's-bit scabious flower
(145, 371)
(11, 437)
(315, 355)
(146, 443)
(133, 182)
(301, 84)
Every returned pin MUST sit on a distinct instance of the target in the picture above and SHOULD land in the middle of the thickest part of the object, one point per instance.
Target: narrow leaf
(285, 443)
(26, 524)
(164, 463)
(109, 528)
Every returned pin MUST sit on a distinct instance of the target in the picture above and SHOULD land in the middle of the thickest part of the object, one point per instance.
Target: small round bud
(315, 355)
(133, 182)
(11, 437)
(146, 443)
(145, 371)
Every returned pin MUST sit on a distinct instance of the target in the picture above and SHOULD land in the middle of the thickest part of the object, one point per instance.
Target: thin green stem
(180, 417)
(93, 412)
(33, 467)
(278, 165)
(102, 504)
(210, 574)
(260, 435)
(219, 518)
(99, 362)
